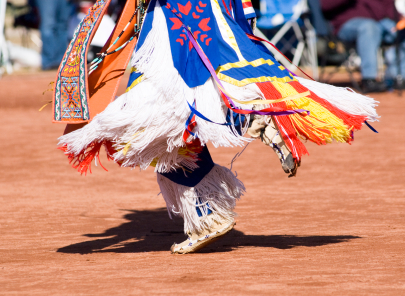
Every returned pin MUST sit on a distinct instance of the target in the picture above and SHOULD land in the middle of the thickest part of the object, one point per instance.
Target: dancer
(199, 75)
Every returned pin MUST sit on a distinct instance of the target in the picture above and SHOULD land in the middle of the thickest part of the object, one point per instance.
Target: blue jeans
(368, 35)
(54, 25)
(321, 26)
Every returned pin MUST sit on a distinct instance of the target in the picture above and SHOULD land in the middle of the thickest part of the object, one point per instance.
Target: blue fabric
(252, 72)
(250, 15)
(187, 61)
(241, 18)
(202, 210)
(238, 120)
(192, 178)
(146, 27)
(132, 77)
(200, 19)
(54, 30)
(250, 51)
(368, 35)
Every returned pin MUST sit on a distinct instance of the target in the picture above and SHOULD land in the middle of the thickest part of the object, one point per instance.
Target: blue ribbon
(194, 111)
(370, 127)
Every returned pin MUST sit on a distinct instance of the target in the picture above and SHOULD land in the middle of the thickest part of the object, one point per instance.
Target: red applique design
(203, 25)
(198, 9)
(184, 9)
(176, 23)
(226, 8)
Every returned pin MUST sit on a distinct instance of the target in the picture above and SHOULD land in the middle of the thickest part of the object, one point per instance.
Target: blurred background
(37, 32)
(359, 43)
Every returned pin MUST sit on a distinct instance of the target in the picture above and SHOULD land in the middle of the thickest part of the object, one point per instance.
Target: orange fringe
(355, 121)
(82, 161)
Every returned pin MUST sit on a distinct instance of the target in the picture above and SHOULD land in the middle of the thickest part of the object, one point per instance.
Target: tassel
(82, 161)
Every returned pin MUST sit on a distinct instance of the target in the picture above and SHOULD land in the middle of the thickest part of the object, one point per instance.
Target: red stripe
(226, 7)
(349, 119)
(247, 4)
(284, 123)
(190, 127)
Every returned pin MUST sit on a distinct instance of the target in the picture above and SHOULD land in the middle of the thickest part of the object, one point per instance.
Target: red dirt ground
(338, 228)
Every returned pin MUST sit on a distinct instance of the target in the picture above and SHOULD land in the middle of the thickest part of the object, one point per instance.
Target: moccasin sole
(202, 243)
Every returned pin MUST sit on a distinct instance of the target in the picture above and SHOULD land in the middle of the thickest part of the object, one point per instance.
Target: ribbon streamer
(370, 127)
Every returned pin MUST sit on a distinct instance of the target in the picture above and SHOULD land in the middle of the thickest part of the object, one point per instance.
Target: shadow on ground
(152, 231)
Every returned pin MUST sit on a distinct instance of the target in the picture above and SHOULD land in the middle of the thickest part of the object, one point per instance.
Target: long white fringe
(345, 100)
(154, 59)
(220, 189)
(147, 123)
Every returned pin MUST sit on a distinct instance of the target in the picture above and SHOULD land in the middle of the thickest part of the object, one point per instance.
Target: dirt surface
(337, 228)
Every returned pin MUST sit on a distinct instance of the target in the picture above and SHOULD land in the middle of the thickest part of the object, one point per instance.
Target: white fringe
(220, 188)
(148, 122)
(342, 98)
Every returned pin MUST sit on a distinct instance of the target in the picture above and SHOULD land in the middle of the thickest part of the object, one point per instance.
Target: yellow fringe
(40, 109)
(154, 162)
(320, 117)
(128, 145)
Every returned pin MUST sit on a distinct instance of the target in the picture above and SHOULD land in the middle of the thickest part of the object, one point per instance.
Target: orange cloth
(103, 82)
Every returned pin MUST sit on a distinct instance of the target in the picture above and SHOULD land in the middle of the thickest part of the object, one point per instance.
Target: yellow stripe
(231, 36)
(247, 81)
(241, 64)
(136, 81)
(128, 145)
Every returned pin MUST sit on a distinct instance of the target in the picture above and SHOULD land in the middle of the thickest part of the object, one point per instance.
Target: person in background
(368, 23)
(54, 17)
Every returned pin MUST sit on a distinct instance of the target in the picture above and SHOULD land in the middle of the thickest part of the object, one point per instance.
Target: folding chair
(5, 64)
(290, 17)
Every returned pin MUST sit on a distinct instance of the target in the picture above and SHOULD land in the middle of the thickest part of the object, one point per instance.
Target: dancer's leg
(206, 205)
(367, 34)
